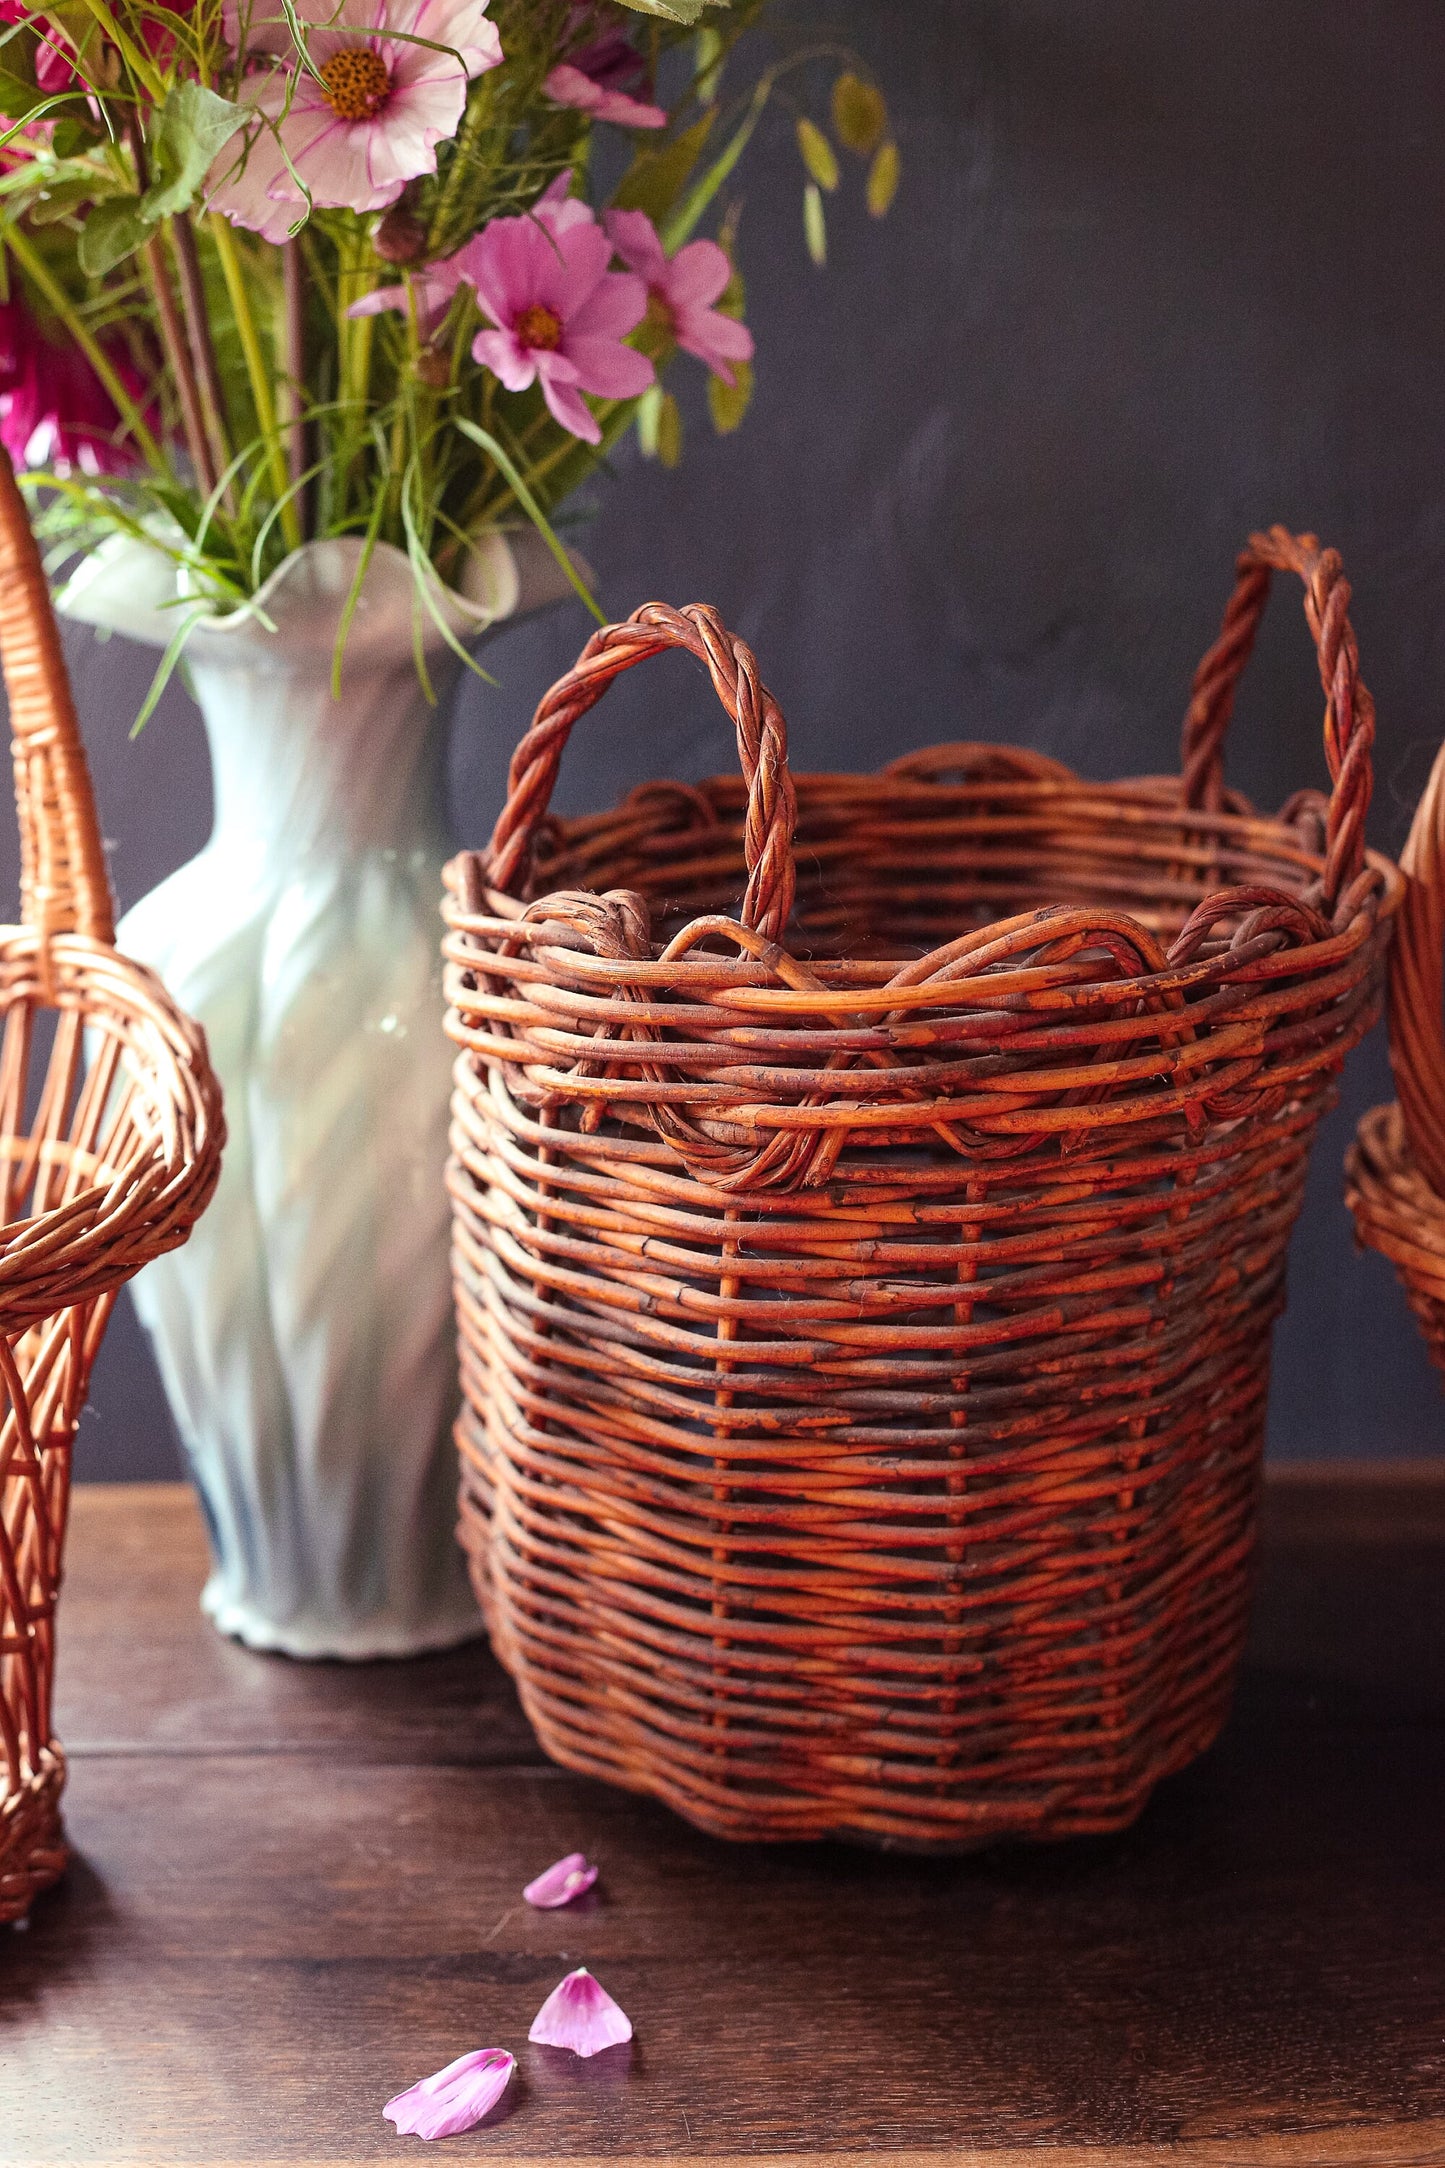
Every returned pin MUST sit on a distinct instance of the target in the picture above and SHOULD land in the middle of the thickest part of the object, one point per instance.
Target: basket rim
(1138, 800)
(164, 1188)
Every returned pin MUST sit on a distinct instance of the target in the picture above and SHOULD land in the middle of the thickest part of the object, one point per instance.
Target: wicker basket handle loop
(1349, 710)
(1417, 964)
(63, 884)
(762, 751)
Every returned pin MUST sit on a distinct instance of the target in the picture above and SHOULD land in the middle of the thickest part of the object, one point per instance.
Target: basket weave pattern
(865, 1290)
(1395, 1170)
(110, 1140)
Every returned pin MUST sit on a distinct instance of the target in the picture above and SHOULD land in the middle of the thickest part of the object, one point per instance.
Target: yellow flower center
(540, 327)
(358, 83)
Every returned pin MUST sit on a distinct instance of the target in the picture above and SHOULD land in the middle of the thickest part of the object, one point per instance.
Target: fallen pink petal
(580, 2015)
(571, 1877)
(456, 2098)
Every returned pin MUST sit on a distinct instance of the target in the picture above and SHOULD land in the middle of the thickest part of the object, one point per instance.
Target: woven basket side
(1417, 965)
(1395, 1169)
(63, 883)
(865, 1317)
(110, 1140)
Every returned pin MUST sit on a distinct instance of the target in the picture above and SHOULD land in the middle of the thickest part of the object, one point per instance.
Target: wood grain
(183, 1689)
(278, 1920)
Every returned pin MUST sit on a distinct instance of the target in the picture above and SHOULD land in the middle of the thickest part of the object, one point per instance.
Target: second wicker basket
(865, 1286)
(1395, 1170)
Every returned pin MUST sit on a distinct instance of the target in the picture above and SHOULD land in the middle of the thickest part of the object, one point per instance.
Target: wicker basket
(865, 1291)
(1395, 1169)
(110, 1141)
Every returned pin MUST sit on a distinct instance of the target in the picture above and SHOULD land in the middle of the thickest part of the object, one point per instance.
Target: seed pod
(399, 238)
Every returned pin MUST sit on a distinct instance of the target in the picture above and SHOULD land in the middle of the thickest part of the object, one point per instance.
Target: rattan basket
(1395, 1169)
(110, 1142)
(865, 1290)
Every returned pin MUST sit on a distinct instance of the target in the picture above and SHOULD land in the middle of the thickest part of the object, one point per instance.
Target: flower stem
(203, 351)
(256, 373)
(293, 369)
(174, 344)
(200, 415)
(354, 343)
(39, 275)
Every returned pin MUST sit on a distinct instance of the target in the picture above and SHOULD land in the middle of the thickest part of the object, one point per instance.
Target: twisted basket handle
(1417, 962)
(63, 884)
(762, 751)
(1349, 710)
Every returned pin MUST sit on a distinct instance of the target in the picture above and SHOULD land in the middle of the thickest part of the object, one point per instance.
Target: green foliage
(673, 11)
(192, 127)
(815, 226)
(860, 114)
(649, 414)
(669, 431)
(114, 230)
(728, 403)
(883, 178)
(657, 176)
(19, 97)
(817, 154)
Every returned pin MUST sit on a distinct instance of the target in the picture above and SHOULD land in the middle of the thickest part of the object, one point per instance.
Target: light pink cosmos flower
(571, 1877)
(581, 2016)
(683, 288)
(389, 84)
(560, 314)
(567, 85)
(456, 2098)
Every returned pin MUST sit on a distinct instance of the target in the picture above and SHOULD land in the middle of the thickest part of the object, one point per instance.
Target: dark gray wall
(1157, 274)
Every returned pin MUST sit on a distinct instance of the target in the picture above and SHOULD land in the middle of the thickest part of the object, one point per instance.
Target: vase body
(305, 1338)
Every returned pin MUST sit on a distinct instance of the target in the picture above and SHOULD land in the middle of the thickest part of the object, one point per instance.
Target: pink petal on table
(455, 2098)
(581, 2016)
(571, 1877)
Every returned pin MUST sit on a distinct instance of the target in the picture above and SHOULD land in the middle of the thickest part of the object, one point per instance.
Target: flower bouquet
(285, 270)
(316, 315)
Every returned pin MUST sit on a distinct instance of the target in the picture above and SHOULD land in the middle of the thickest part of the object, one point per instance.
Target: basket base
(962, 1825)
(33, 1850)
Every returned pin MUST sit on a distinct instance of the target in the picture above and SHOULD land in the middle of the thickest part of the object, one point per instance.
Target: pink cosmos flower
(363, 124)
(54, 410)
(571, 1877)
(683, 288)
(53, 70)
(558, 208)
(600, 74)
(456, 2098)
(581, 2016)
(572, 86)
(560, 314)
(434, 285)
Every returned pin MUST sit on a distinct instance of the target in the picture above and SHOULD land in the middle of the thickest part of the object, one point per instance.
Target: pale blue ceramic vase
(305, 1336)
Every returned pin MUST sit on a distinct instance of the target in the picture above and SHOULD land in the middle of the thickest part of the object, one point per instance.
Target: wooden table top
(298, 1888)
